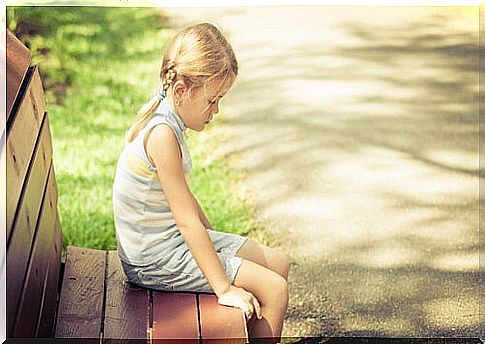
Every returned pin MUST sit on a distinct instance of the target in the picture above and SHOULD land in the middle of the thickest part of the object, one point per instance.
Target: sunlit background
(358, 127)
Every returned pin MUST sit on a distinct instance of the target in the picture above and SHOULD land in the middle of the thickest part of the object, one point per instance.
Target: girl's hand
(240, 298)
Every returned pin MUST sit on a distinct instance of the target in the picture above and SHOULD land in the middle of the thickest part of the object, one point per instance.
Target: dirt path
(358, 129)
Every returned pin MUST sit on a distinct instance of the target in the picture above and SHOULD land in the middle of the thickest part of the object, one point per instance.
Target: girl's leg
(268, 257)
(271, 290)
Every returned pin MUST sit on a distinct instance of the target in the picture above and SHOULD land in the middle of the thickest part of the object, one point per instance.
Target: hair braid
(169, 77)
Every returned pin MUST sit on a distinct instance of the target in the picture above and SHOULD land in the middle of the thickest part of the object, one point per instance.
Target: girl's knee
(279, 291)
(278, 262)
(269, 287)
(281, 261)
(271, 258)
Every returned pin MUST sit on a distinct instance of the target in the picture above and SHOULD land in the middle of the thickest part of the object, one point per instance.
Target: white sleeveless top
(142, 216)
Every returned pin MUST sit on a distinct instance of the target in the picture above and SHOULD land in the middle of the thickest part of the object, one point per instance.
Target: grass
(99, 65)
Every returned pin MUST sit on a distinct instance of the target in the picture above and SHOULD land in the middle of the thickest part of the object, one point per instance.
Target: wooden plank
(31, 301)
(80, 308)
(221, 324)
(175, 318)
(21, 138)
(45, 326)
(127, 306)
(18, 61)
(3, 245)
(19, 247)
(3, 202)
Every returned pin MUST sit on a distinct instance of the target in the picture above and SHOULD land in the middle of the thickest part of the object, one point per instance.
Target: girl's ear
(179, 90)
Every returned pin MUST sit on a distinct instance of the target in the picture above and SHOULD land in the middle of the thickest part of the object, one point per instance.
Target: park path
(358, 129)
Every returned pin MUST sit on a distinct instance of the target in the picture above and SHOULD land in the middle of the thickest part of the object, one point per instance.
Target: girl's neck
(174, 107)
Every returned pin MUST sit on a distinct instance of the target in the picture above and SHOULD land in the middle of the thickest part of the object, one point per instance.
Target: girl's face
(199, 109)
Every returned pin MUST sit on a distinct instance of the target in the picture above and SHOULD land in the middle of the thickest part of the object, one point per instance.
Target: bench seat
(98, 302)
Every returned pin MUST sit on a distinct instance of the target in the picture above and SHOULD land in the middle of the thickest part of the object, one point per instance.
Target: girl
(165, 240)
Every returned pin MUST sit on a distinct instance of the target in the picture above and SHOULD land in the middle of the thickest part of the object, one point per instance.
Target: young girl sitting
(165, 241)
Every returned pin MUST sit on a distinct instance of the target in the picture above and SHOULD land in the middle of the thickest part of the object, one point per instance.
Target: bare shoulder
(162, 146)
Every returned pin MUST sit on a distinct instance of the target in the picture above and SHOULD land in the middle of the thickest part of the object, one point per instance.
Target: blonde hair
(197, 55)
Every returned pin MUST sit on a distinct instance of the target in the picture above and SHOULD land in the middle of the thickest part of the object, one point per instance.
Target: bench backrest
(34, 236)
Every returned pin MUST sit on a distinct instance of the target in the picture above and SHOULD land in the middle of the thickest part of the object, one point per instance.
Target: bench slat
(81, 301)
(220, 324)
(175, 317)
(3, 200)
(127, 306)
(32, 298)
(18, 61)
(19, 247)
(45, 327)
(21, 139)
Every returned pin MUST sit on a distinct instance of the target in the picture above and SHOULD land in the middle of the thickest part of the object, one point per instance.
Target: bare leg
(271, 290)
(268, 257)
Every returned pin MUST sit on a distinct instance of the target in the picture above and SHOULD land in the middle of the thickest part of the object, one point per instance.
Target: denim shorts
(178, 270)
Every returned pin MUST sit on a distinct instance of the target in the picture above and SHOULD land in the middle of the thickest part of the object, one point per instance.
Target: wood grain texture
(3, 202)
(18, 61)
(20, 245)
(36, 280)
(221, 324)
(45, 326)
(81, 302)
(175, 318)
(21, 140)
(127, 306)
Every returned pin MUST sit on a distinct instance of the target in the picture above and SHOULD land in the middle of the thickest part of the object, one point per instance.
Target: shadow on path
(358, 127)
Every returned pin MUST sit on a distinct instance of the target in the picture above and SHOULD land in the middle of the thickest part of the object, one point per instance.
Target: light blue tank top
(143, 220)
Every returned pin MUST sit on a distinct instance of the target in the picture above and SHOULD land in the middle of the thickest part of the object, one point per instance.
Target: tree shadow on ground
(387, 130)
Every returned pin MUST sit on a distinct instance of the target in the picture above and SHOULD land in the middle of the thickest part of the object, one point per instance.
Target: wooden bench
(87, 295)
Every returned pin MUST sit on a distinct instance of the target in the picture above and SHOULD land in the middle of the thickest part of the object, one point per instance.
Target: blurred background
(350, 141)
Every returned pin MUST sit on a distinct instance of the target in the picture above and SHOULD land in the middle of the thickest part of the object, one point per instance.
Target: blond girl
(165, 241)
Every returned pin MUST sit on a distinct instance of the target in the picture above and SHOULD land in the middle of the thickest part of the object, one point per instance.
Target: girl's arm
(185, 210)
(203, 218)
(168, 162)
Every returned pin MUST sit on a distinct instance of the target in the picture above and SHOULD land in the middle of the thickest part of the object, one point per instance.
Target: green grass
(99, 65)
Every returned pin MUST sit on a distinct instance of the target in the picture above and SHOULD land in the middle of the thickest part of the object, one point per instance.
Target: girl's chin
(200, 129)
